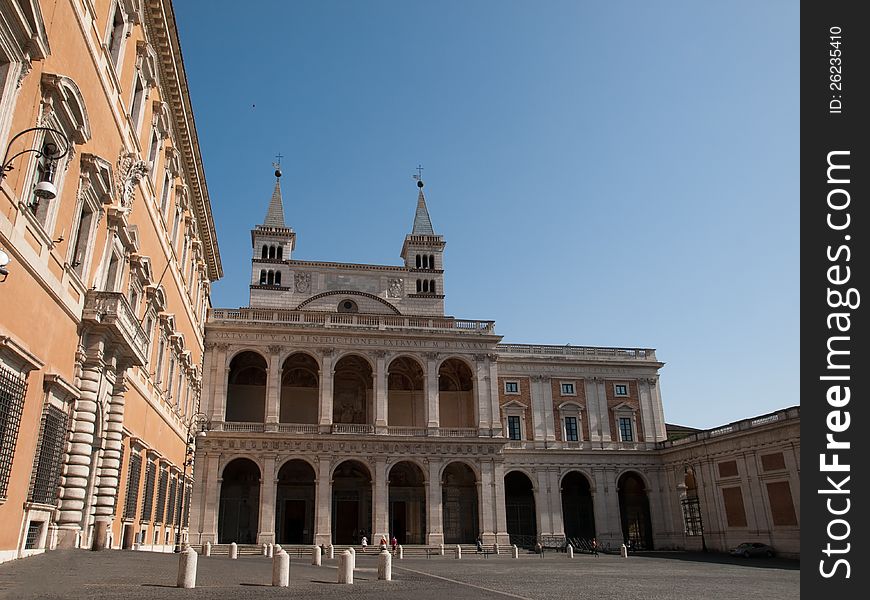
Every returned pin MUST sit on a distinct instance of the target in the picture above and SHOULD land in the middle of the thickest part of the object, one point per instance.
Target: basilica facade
(343, 402)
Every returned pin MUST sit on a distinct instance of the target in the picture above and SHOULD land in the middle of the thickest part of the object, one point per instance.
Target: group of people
(382, 545)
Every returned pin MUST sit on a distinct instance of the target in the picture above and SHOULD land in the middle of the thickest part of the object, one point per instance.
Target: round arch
(578, 512)
(520, 513)
(239, 505)
(457, 406)
(407, 502)
(300, 389)
(246, 388)
(351, 502)
(406, 393)
(634, 511)
(459, 503)
(353, 389)
(294, 502)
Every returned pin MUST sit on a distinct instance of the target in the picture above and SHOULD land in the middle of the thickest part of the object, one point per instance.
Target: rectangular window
(167, 190)
(735, 513)
(153, 153)
(620, 389)
(137, 106)
(148, 495)
(116, 36)
(625, 432)
(12, 389)
(728, 468)
(113, 274)
(158, 372)
(132, 494)
(514, 428)
(511, 387)
(46, 467)
(781, 504)
(567, 389)
(571, 429)
(173, 501)
(162, 484)
(772, 462)
(82, 239)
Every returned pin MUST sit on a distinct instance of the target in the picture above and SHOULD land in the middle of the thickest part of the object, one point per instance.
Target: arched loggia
(407, 503)
(294, 503)
(459, 504)
(577, 509)
(520, 513)
(246, 388)
(634, 512)
(351, 502)
(239, 508)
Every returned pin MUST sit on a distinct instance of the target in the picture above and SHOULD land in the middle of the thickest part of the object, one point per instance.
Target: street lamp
(198, 424)
(45, 187)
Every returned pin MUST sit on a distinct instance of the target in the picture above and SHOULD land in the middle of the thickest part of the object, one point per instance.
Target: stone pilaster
(481, 393)
(435, 517)
(592, 412)
(658, 412)
(381, 509)
(204, 509)
(268, 483)
(381, 404)
(110, 466)
(501, 532)
(77, 469)
(646, 414)
(556, 503)
(495, 412)
(323, 511)
(432, 409)
(221, 371)
(606, 506)
(326, 395)
(273, 388)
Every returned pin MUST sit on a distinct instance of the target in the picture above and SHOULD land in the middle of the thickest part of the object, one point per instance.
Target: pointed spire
(422, 222)
(275, 214)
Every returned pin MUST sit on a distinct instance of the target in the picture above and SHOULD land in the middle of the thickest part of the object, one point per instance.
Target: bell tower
(273, 244)
(423, 253)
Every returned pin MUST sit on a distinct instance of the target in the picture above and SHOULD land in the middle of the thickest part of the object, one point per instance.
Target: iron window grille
(13, 386)
(49, 456)
(160, 512)
(692, 516)
(34, 529)
(148, 496)
(171, 506)
(188, 490)
(131, 496)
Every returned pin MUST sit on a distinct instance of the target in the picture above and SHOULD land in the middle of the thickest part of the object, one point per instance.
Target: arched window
(277, 277)
(425, 286)
(418, 261)
(280, 253)
(262, 276)
(271, 251)
(419, 286)
(265, 252)
(271, 279)
(432, 286)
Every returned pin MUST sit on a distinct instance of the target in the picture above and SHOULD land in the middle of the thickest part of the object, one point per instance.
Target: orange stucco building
(107, 232)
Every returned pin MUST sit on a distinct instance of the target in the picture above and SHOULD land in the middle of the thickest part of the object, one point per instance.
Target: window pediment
(64, 99)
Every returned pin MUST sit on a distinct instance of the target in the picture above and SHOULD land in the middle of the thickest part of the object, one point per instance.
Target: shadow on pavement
(726, 559)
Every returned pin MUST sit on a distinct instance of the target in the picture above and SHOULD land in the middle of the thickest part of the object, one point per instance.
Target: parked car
(747, 549)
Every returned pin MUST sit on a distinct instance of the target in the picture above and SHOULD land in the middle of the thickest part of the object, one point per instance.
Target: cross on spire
(419, 172)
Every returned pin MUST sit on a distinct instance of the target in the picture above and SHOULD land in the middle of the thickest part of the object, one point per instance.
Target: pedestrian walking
(594, 547)
(394, 543)
(364, 542)
(479, 544)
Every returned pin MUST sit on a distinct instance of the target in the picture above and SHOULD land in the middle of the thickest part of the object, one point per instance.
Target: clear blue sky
(604, 173)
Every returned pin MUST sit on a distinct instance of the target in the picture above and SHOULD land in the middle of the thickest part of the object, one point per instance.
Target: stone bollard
(495, 547)
(352, 551)
(315, 556)
(331, 552)
(515, 551)
(458, 553)
(278, 548)
(623, 551)
(186, 569)
(281, 569)
(207, 549)
(441, 549)
(345, 568)
(570, 551)
(401, 552)
(265, 549)
(234, 551)
(270, 550)
(385, 566)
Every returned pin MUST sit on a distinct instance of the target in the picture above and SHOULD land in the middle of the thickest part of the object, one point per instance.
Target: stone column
(381, 508)
(220, 371)
(326, 391)
(110, 466)
(77, 469)
(273, 389)
(323, 510)
(435, 518)
(495, 411)
(381, 402)
(268, 483)
(433, 420)
(501, 532)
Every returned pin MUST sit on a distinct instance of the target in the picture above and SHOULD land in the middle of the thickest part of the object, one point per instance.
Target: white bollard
(315, 556)
(385, 566)
(345, 568)
(234, 550)
(515, 551)
(281, 569)
(623, 551)
(401, 552)
(207, 549)
(352, 558)
(458, 552)
(278, 548)
(496, 548)
(441, 549)
(331, 552)
(187, 569)
(270, 550)
(570, 551)
(265, 549)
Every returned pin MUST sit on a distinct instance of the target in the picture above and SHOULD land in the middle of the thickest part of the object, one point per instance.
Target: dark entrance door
(399, 520)
(294, 521)
(346, 521)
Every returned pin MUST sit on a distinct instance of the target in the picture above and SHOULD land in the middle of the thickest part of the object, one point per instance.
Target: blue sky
(604, 173)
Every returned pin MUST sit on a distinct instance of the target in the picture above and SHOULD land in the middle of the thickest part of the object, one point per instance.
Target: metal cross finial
(419, 172)
(277, 163)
